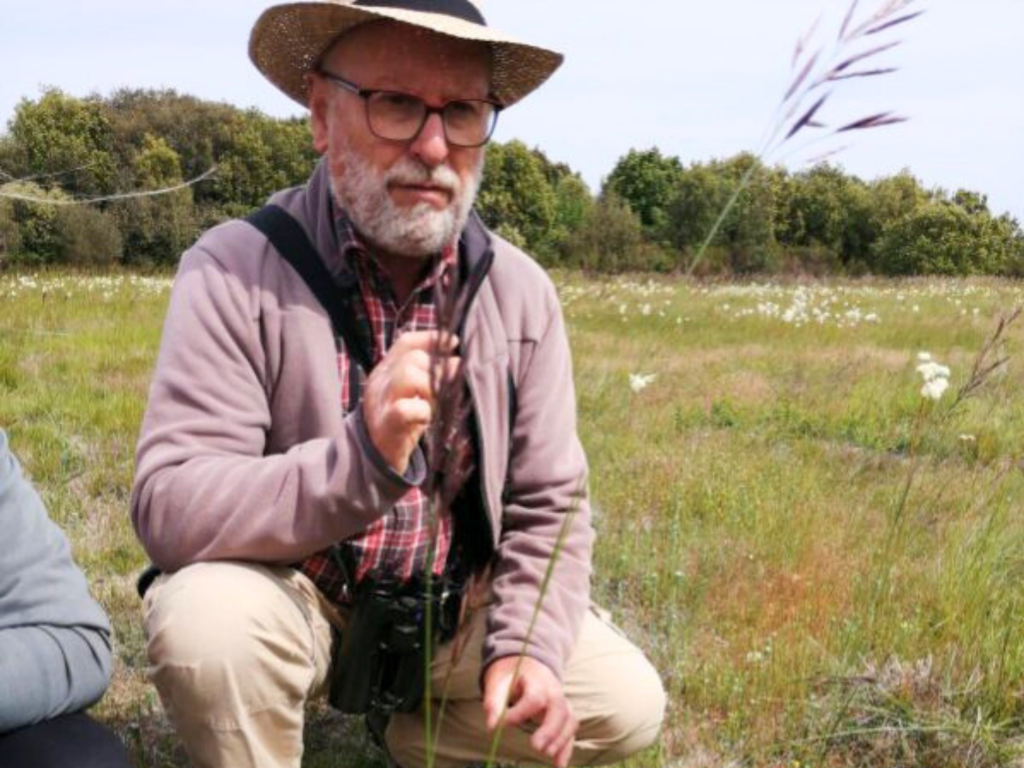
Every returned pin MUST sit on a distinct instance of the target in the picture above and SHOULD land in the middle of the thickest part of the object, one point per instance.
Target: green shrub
(610, 239)
(948, 238)
(10, 235)
(37, 240)
(87, 236)
(156, 229)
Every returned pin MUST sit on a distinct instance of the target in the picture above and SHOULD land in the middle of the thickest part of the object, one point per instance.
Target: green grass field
(826, 568)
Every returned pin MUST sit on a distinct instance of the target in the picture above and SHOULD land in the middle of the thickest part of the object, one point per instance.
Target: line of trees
(651, 213)
(59, 147)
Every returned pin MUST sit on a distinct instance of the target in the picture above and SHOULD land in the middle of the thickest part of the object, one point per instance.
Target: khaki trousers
(236, 650)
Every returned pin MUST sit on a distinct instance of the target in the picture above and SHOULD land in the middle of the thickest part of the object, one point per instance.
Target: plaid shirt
(396, 546)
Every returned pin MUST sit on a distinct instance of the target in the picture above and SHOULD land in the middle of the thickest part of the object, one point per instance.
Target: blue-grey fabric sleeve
(50, 671)
(54, 637)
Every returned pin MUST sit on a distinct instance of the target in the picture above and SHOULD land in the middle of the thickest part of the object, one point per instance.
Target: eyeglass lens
(401, 116)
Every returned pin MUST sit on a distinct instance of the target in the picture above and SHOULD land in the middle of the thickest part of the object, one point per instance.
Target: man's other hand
(535, 695)
(398, 400)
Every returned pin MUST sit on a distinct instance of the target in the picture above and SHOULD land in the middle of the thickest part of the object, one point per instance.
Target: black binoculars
(379, 661)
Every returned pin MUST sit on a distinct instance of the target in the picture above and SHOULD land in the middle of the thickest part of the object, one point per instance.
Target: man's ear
(318, 106)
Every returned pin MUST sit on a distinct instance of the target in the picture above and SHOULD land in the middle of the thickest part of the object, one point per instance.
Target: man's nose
(430, 145)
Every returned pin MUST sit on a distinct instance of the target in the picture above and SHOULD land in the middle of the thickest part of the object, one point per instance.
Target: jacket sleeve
(54, 638)
(205, 487)
(46, 671)
(546, 514)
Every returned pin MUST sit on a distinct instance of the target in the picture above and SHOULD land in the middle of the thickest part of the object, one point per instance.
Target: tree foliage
(87, 237)
(68, 139)
(515, 198)
(141, 140)
(652, 214)
(646, 180)
(153, 227)
(39, 234)
(36, 240)
(955, 236)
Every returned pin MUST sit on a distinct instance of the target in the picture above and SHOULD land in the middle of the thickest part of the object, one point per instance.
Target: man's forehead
(389, 49)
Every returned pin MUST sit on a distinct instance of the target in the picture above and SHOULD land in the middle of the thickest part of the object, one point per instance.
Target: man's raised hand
(399, 398)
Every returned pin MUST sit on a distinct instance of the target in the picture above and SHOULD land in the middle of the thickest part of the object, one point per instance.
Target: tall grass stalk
(813, 73)
(563, 532)
(445, 473)
(444, 481)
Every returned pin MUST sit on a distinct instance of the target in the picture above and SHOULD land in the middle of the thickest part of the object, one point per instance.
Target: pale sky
(699, 80)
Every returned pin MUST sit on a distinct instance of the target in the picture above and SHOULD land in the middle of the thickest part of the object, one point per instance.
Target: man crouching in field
(282, 463)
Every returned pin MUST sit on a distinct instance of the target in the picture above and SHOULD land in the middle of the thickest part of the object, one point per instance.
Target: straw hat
(289, 40)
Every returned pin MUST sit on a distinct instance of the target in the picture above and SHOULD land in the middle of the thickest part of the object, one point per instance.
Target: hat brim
(289, 40)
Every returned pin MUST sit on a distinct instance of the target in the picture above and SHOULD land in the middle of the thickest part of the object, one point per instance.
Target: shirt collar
(353, 253)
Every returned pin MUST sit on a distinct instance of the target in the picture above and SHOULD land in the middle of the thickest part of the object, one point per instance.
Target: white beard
(420, 231)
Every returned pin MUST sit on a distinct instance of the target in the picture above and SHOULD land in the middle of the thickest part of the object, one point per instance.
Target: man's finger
(565, 738)
(409, 380)
(565, 754)
(525, 708)
(417, 357)
(431, 342)
(495, 698)
(553, 730)
(413, 411)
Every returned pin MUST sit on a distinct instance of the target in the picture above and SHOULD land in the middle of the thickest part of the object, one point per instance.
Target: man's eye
(399, 101)
(464, 109)
(464, 112)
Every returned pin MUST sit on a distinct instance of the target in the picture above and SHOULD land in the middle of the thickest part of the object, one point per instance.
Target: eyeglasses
(397, 116)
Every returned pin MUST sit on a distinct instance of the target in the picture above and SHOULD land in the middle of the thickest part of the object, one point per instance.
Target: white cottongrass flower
(931, 370)
(935, 375)
(934, 389)
(640, 381)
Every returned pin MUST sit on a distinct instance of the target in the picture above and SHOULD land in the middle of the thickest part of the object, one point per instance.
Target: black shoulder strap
(292, 242)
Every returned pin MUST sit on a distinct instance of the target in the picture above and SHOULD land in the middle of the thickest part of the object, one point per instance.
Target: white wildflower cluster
(760, 655)
(622, 289)
(803, 305)
(640, 381)
(935, 375)
(965, 298)
(849, 306)
(69, 287)
(569, 293)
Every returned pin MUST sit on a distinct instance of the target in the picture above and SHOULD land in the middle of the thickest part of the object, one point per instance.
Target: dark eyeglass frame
(367, 93)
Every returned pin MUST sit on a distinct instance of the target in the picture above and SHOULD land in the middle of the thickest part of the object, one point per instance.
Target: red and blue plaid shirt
(397, 546)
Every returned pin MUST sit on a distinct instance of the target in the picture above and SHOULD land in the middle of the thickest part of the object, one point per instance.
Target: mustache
(408, 171)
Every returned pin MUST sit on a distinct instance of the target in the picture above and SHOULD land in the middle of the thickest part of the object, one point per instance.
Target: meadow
(824, 565)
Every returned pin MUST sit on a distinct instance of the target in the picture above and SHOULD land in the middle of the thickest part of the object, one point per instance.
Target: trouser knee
(621, 699)
(633, 723)
(226, 640)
